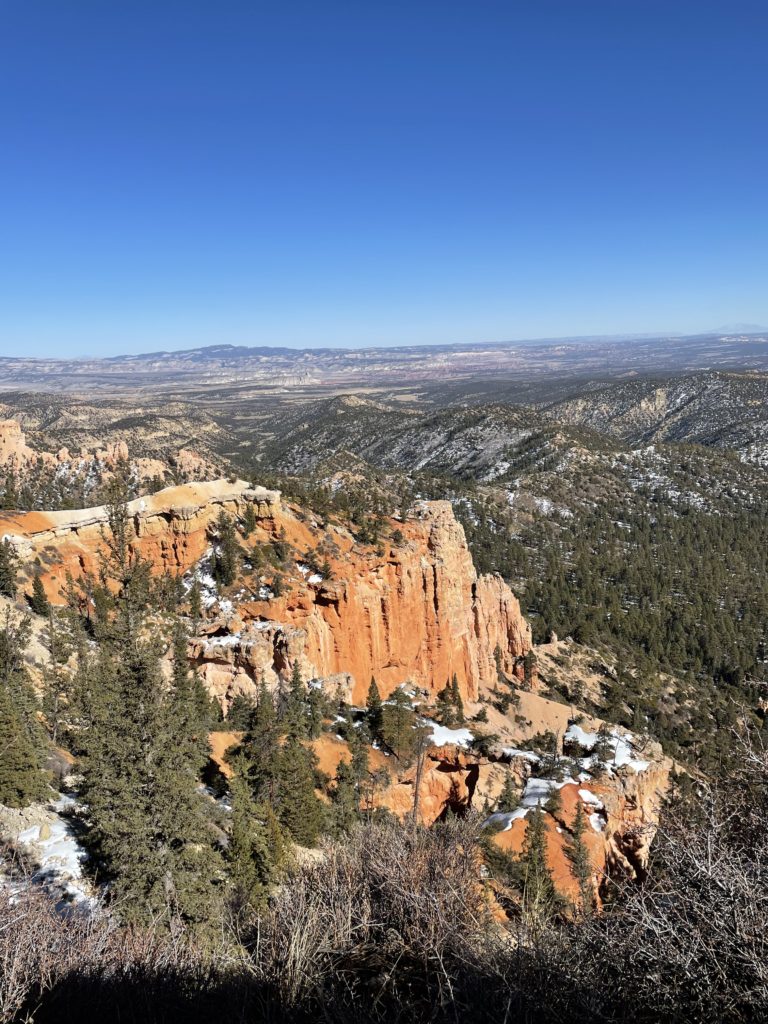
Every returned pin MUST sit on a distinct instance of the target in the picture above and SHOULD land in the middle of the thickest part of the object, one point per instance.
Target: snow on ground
(53, 848)
(623, 747)
(526, 755)
(441, 735)
(505, 818)
(590, 798)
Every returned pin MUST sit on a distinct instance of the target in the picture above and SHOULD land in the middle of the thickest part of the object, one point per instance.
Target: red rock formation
(170, 528)
(415, 611)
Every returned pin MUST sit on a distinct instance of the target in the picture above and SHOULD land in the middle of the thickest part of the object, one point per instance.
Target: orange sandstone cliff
(413, 611)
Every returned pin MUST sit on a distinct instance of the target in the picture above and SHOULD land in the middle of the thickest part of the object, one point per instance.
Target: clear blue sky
(177, 173)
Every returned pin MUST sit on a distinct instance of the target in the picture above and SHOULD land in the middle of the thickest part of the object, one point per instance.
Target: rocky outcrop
(15, 453)
(170, 528)
(412, 611)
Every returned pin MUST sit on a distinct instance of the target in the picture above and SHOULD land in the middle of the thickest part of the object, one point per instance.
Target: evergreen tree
(398, 725)
(141, 754)
(260, 748)
(344, 799)
(581, 864)
(195, 601)
(10, 492)
(294, 718)
(193, 712)
(299, 808)
(250, 854)
(39, 601)
(374, 708)
(226, 558)
(458, 703)
(249, 520)
(509, 799)
(9, 567)
(22, 747)
(538, 887)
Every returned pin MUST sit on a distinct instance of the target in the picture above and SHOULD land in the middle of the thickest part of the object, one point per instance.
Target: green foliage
(509, 799)
(249, 519)
(227, 556)
(581, 865)
(538, 887)
(298, 807)
(9, 568)
(398, 725)
(22, 744)
(39, 601)
(142, 747)
(374, 707)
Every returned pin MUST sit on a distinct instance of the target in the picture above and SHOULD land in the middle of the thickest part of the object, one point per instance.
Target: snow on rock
(590, 798)
(526, 755)
(53, 848)
(623, 747)
(504, 819)
(442, 735)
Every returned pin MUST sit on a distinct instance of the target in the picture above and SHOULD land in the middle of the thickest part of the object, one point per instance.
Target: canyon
(409, 610)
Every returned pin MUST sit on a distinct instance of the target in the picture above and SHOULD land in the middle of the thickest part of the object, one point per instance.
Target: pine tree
(397, 725)
(9, 567)
(10, 492)
(509, 799)
(195, 601)
(294, 717)
(250, 850)
(344, 799)
(458, 703)
(39, 601)
(140, 759)
(298, 807)
(226, 559)
(260, 748)
(374, 708)
(444, 709)
(539, 888)
(581, 864)
(249, 520)
(22, 747)
(192, 707)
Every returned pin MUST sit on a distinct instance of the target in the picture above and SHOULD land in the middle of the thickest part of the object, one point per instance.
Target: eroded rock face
(15, 453)
(94, 466)
(416, 612)
(170, 528)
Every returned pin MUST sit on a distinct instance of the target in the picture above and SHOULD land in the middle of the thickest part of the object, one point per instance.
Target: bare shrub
(689, 945)
(387, 911)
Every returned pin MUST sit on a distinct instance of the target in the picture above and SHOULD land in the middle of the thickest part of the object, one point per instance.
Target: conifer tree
(458, 703)
(22, 746)
(508, 799)
(226, 559)
(260, 748)
(397, 726)
(345, 801)
(299, 808)
(538, 886)
(195, 601)
(374, 707)
(39, 601)
(581, 864)
(140, 759)
(249, 520)
(446, 712)
(294, 718)
(9, 567)
(250, 854)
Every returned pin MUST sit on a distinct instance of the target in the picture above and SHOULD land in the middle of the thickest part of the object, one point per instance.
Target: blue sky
(177, 173)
